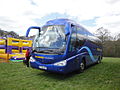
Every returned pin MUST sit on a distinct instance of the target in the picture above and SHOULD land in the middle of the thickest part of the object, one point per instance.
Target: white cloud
(12, 15)
(111, 20)
(18, 15)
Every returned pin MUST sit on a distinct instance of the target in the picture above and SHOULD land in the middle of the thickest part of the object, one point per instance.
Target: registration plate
(43, 67)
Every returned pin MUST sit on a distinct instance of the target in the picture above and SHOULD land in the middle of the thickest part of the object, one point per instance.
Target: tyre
(81, 67)
(99, 60)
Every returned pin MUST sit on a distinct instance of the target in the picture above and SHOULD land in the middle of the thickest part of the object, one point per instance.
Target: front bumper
(49, 67)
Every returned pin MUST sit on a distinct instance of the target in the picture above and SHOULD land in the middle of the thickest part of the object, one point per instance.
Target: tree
(118, 37)
(111, 45)
(103, 34)
(13, 34)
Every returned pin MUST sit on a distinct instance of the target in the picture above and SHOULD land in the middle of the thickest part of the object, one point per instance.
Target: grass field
(104, 76)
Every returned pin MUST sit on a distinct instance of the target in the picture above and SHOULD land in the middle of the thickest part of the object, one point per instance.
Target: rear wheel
(99, 60)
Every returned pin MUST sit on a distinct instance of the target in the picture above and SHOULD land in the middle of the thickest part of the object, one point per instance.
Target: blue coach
(63, 46)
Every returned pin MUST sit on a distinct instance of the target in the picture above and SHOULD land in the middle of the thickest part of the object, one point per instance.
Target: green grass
(104, 76)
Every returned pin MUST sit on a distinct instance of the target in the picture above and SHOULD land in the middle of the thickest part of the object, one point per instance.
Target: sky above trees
(18, 15)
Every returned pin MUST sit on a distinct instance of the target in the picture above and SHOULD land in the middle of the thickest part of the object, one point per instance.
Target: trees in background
(12, 34)
(102, 34)
(111, 44)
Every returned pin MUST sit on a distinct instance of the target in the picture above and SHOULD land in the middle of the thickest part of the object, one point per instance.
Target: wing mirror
(33, 27)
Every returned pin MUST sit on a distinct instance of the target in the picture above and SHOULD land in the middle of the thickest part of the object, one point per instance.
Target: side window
(73, 39)
(81, 30)
(80, 37)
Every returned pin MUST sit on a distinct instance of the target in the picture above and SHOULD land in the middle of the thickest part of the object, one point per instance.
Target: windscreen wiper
(44, 51)
(49, 50)
(41, 47)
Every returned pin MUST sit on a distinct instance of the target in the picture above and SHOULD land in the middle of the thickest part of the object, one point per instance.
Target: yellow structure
(13, 48)
(2, 46)
(13, 45)
(2, 41)
(17, 48)
(4, 58)
(25, 44)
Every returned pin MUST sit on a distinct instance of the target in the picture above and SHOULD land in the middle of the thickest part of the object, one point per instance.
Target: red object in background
(27, 53)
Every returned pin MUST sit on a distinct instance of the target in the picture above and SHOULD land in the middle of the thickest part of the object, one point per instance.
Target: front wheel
(81, 67)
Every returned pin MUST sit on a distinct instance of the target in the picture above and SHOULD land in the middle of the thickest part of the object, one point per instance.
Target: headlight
(32, 59)
(61, 63)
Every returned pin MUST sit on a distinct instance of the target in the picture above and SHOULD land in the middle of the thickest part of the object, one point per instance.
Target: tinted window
(73, 39)
(80, 37)
(80, 30)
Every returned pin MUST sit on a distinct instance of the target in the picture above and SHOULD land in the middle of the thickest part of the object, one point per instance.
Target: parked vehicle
(63, 46)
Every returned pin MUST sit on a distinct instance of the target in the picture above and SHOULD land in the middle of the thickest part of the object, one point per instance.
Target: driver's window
(73, 39)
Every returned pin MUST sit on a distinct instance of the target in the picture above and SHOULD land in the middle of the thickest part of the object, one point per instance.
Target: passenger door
(72, 46)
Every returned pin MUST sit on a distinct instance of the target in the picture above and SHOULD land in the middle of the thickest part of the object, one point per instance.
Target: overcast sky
(18, 15)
